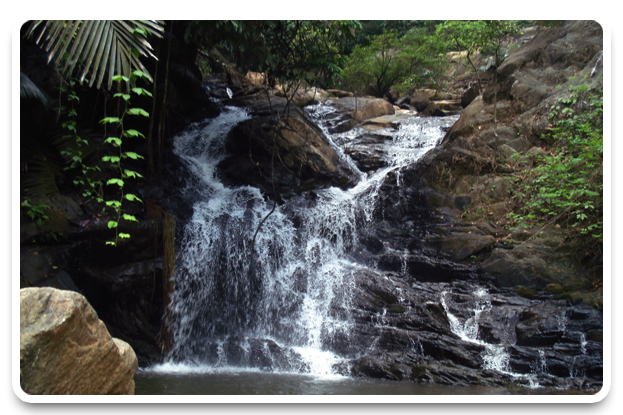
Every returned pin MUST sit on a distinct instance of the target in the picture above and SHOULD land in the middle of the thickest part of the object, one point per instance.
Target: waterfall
(281, 314)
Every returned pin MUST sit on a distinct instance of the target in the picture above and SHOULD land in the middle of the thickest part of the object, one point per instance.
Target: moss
(418, 372)
(526, 292)
(554, 288)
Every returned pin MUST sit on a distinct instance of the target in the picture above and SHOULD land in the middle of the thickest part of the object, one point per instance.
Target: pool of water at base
(262, 383)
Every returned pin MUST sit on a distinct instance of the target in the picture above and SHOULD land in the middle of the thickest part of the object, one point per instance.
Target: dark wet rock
(65, 218)
(459, 246)
(304, 153)
(541, 325)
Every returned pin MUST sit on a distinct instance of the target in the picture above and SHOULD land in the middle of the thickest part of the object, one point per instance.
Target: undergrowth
(566, 188)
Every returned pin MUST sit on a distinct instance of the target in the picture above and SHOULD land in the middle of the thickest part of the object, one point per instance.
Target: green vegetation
(411, 61)
(567, 187)
(118, 155)
(300, 51)
(74, 153)
(80, 53)
(478, 36)
(35, 212)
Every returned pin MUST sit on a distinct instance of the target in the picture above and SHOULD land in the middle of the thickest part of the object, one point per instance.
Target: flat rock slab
(385, 121)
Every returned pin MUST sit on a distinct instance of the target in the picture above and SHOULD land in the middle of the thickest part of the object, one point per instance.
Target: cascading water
(280, 313)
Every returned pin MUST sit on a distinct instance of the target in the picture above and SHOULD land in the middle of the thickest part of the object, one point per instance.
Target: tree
(412, 60)
(380, 64)
(477, 36)
(308, 51)
(464, 35)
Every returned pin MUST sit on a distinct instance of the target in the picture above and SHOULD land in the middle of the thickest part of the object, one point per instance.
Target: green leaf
(124, 235)
(110, 243)
(112, 159)
(133, 155)
(110, 120)
(118, 182)
(114, 141)
(129, 217)
(112, 224)
(138, 111)
(132, 198)
(124, 96)
(140, 74)
(139, 31)
(118, 78)
(131, 173)
(141, 91)
(133, 133)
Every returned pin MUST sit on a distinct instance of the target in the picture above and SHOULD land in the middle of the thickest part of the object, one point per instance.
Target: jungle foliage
(308, 51)
(411, 61)
(566, 188)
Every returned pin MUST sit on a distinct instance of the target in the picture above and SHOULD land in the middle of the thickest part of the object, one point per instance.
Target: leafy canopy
(291, 50)
(413, 60)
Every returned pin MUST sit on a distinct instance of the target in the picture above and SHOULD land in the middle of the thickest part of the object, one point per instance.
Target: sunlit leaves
(115, 141)
(138, 111)
(132, 197)
(132, 155)
(116, 181)
(110, 120)
(133, 133)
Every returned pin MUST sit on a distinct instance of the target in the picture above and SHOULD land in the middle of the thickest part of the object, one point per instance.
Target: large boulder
(425, 106)
(302, 151)
(470, 94)
(66, 350)
(374, 109)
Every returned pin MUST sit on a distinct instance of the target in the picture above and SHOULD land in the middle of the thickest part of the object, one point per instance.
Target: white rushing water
(287, 303)
(495, 356)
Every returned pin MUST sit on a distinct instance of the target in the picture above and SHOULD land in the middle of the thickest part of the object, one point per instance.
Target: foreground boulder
(66, 350)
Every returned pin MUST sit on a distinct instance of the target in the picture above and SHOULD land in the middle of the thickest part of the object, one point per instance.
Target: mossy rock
(554, 288)
(418, 372)
(594, 298)
(526, 292)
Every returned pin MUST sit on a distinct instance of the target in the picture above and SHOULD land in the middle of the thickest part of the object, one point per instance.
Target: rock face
(404, 330)
(65, 349)
(303, 156)
(529, 83)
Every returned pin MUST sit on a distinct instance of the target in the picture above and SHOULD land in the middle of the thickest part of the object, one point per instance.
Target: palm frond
(96, 46)
(28, 89)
